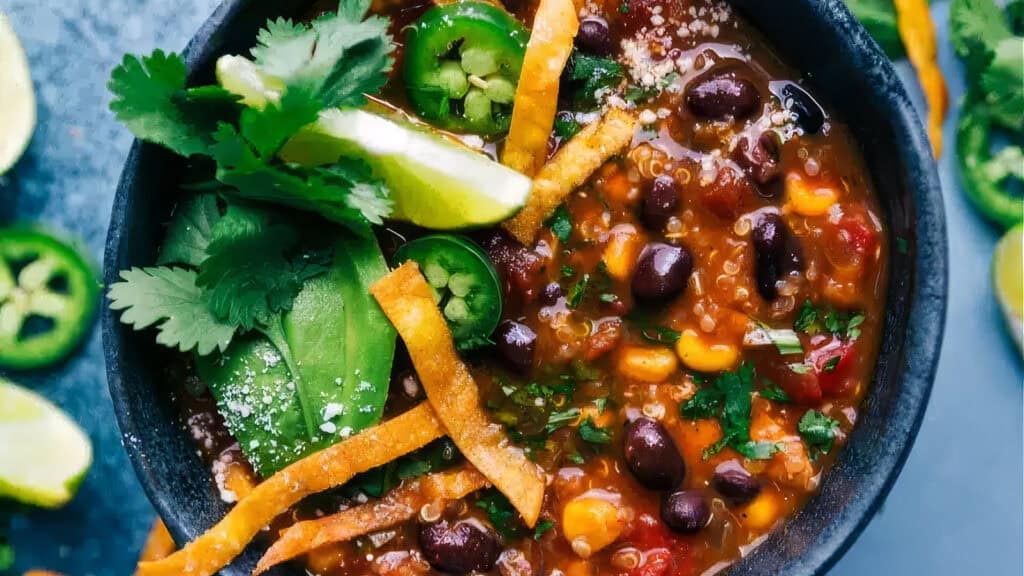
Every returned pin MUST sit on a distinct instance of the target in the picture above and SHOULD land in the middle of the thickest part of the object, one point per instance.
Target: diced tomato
(802, 388)
(851, 244)
(833, 365)
(728, 195)
(664, 553)
(855, 229)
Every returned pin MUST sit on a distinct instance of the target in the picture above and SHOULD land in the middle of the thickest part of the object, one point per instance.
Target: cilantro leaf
(566, 127)
(151, 101)
(578, 291)
(344, 192)
(542, 528)
(818, 431)
(758, 450)
(560, 419)
(590, 74)
(813, 320)
(561, 223)
(247, 273)
(188, 234)
(170, 299)
(336, 59)
(775, 394)
(502, 515)
(591, 432)
(660, 335)
(1003, 83)
(976, 27)
(705, 403)
(728, 399)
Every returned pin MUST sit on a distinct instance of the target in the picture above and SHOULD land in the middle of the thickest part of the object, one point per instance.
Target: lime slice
(435, 183)
(17, 99)
(44, 455)
(1008, 280)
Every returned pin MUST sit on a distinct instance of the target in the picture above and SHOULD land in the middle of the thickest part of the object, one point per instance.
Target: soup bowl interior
(843, 66)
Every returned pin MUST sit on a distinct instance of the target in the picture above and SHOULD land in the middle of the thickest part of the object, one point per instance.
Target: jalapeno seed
(459, 548)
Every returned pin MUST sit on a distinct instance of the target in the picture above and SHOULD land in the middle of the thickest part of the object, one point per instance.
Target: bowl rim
(925, 319)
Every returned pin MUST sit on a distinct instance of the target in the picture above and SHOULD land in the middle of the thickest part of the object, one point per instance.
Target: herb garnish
(589, 74)
(591, 432)
(775, 394)
(566, 127)
(728, 400)
(814, 320)
(818, 431)
(561, 224)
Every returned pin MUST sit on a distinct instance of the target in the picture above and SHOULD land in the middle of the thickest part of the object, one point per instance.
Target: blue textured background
(956, 510)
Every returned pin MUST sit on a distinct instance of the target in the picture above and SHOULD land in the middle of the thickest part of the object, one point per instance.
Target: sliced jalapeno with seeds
(48, 296)
(462, 64)
(465, 285)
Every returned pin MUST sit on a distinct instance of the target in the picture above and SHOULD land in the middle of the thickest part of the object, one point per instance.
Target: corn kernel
(808, 199)
(589, 524)
(762, 512)
(621, 252)
(651, 365)
(704, 357)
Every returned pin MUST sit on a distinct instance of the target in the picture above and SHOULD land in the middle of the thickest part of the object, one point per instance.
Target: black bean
(459, 548)
(552, 292)
(760, 159)
(723, 95)
(685, 511)
(660, 202)
(810, 116)
(652, 456)
(769, 239)
(517, 343)
(594, 36)
(733, 481)
(662, 271)
(793, 257)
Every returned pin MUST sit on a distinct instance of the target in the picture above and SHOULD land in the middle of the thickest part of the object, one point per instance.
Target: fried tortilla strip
(396, 507)
(239, 480)
(536, 102)
(41, 573)
(325, 469)
(918, 34)
(159, 544)
(571, 166)
(408, 302)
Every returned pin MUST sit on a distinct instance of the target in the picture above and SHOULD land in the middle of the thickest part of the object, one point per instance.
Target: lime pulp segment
(1008, 280)
(17, 98)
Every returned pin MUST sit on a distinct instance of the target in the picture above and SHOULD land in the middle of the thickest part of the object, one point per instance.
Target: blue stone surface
(955, 510)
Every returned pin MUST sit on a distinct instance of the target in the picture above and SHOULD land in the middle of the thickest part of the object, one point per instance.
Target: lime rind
(44, 455)
(17, 98)
(1008, 281)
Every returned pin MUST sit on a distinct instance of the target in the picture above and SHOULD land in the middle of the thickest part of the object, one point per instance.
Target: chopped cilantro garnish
(608, 298)
(566, 127)
(561, 224)
(575, 458)
(831, 364)
(660, 335)
(589, 74)
(502, 515)
(818, 431)
(542, 528)
(602, 404)
(813, 320)
(560, 419)
(567, 271)
(775, 394)
(578, 291)
(728, 399)
(590, 432)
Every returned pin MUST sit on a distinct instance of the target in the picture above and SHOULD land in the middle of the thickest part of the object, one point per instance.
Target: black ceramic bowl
(845, 67)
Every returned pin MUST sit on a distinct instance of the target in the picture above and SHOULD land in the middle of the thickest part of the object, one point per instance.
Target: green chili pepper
(462, 64)
(48, 296)
(465, 285)
(986, 176)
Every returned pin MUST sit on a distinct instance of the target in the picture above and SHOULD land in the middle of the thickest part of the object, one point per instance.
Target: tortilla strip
(918, 34)
(159, 544)
(325, 469)
(398, 506)
(239, 480)
(536, 102)
(571, 166)
(408, 302)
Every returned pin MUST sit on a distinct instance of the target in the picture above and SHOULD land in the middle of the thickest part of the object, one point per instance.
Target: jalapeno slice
(48, 296)
(462, 64)
(465, 285)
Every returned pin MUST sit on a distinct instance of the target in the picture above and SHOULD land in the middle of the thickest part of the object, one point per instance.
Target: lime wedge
(17, 99)
(435, 183)
(44, 455)
(1008, 280)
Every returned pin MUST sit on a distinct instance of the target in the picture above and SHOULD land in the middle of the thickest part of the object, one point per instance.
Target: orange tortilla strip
(398, 506)
(325, 469)
(408, 302)
(159, 544)
(536, 102)
(918, 34)
(239, 480)
(571, 166)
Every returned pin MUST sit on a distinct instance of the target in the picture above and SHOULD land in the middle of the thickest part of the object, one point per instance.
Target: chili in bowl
(520, 289)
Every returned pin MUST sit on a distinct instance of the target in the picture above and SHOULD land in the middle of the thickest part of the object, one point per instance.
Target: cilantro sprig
(818, 431)
(815, 320)
(308, 68)
(728, 400)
